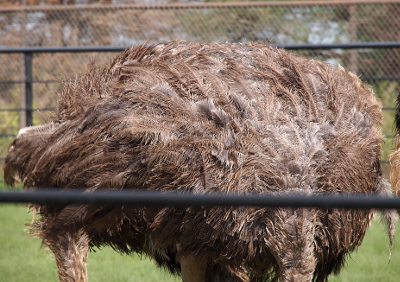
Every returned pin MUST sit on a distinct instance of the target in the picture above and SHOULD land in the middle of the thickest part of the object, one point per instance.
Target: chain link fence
(46, 23)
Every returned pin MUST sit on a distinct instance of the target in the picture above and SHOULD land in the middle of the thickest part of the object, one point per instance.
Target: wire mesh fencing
(275, 22)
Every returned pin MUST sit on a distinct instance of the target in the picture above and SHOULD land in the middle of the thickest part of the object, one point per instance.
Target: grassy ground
(22, 258)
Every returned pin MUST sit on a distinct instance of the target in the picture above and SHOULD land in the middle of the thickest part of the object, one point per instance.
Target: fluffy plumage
(225, 118)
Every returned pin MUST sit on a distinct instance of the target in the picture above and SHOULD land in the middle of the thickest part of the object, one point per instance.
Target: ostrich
(239, 118)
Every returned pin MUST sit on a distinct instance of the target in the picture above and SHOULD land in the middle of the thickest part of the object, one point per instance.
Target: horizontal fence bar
(357, 45)
(153, 198)
(33, 81)
(193, 5)
(83, 49)
(66, 49)
(25, 109)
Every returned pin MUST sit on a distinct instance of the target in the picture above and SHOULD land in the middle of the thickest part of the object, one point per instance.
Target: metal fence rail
(153, 198)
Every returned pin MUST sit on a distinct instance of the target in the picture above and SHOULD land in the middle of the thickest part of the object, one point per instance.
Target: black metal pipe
(28, 89)
(26, 109)
(358, 45)
(207, 5)
(66, 49)
(152, 198)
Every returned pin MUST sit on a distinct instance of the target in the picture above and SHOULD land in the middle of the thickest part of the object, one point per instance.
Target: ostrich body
(214, 118)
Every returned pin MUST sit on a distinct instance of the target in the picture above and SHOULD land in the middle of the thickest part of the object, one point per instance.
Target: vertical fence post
(28, 88)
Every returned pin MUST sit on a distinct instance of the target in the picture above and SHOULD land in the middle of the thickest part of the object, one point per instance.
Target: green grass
(370, 263)
(22, 258)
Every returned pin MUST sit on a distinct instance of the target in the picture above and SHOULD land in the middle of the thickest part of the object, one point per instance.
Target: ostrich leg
(297, 250)
(193, 269)
(70, 250)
